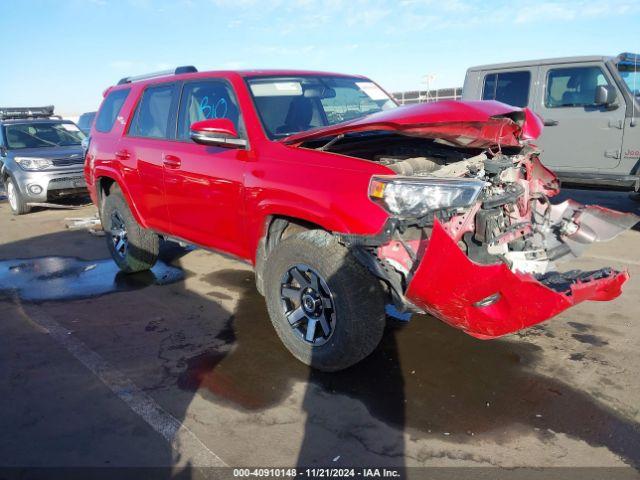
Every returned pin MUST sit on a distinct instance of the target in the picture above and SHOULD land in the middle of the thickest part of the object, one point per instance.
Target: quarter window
(573, 87)
(207, 100)
(509, 87)
(110, 109)
(153, 112)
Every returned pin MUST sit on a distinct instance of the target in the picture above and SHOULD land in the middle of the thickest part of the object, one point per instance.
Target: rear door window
(152, 116)
(573, 87)
(110, 109)
(511, 88)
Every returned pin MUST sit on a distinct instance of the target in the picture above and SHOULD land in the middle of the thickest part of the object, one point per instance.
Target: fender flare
(266, 213)
(270, 213)
(114, 175)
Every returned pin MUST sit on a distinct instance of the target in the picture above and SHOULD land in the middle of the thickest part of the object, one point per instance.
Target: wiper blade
(331, 142)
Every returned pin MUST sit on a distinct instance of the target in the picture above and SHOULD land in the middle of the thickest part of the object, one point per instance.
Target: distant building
(422, 96)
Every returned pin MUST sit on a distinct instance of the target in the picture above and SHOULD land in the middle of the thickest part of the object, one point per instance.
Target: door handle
(612, 154)
(122, 155)
(171, 161)
(550, 123)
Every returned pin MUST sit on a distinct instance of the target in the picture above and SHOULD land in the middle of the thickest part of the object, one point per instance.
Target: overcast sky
(68, 52)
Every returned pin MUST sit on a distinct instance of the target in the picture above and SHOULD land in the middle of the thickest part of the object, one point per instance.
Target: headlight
(33, 163)
(415, 196)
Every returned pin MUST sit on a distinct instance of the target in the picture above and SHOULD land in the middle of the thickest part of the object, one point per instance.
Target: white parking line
(181, 439)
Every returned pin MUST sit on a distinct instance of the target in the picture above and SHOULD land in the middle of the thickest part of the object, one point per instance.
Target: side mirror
(218, 131)
(605, 95)
(3, 151)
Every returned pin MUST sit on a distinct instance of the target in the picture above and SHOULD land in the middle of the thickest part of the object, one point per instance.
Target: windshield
(42, 135)
(631, 77)
(289, 105)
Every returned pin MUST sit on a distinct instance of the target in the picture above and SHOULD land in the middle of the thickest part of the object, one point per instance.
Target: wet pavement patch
(69, 278)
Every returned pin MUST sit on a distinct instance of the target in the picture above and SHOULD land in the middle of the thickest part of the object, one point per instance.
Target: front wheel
(327, 309)
(17, 202)
(133, 248)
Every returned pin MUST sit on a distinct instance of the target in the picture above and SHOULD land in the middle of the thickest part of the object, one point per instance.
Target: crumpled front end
(494, 265)
(488, 301)
(472, 235)
(497, 266)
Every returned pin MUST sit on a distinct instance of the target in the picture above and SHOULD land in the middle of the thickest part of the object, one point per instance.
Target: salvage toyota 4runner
(347, 206)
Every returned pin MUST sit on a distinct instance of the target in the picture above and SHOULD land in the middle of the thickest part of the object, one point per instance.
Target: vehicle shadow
(426, 378)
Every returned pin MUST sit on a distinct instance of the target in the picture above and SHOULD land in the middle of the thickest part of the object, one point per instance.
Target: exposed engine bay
(512, 223)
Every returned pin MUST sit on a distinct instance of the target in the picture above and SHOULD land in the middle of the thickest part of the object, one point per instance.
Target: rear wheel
(327, 309)
(17, 202)
(132, 247)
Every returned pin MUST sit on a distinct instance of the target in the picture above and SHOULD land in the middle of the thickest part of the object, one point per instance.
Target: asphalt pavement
(180, 367)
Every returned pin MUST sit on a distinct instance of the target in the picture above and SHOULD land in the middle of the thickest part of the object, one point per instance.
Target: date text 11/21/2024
(317, 472)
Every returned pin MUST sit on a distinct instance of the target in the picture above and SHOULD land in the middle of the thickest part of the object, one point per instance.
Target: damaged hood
(478, 124)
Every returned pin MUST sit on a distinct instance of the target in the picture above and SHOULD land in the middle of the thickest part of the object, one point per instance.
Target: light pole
(428, 80)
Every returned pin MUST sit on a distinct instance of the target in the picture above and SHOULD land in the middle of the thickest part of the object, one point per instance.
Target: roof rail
(7, 113)
(163, 73)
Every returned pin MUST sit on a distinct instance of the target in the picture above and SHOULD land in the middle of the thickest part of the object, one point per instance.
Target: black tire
(357, 296)
(17, 204)
(141, 246)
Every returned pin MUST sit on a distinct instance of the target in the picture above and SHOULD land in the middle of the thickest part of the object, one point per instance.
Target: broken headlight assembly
(33, 164)
(411, 197)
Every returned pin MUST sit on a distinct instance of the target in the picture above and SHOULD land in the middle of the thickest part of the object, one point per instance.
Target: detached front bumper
(488, 301)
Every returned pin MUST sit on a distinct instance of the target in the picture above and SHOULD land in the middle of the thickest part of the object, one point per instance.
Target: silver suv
(41, 157)
(590, 107)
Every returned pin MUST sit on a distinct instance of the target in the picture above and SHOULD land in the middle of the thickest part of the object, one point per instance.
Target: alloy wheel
(118, 233)
(308, 305)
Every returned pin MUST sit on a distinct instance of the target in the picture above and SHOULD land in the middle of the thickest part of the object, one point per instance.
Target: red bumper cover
(447, 284)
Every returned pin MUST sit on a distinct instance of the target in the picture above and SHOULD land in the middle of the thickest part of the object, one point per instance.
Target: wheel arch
(106, 183)
(277, 227)
(4, 173)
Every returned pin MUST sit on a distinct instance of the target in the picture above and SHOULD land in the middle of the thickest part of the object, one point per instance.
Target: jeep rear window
(288, 105)
(511, 88)
(110, 109)
(42, 135)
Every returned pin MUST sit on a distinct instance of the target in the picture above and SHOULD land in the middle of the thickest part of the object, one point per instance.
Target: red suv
(349, 207)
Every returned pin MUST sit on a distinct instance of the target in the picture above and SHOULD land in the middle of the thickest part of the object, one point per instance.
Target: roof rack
(163, 73)
(7, 113)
